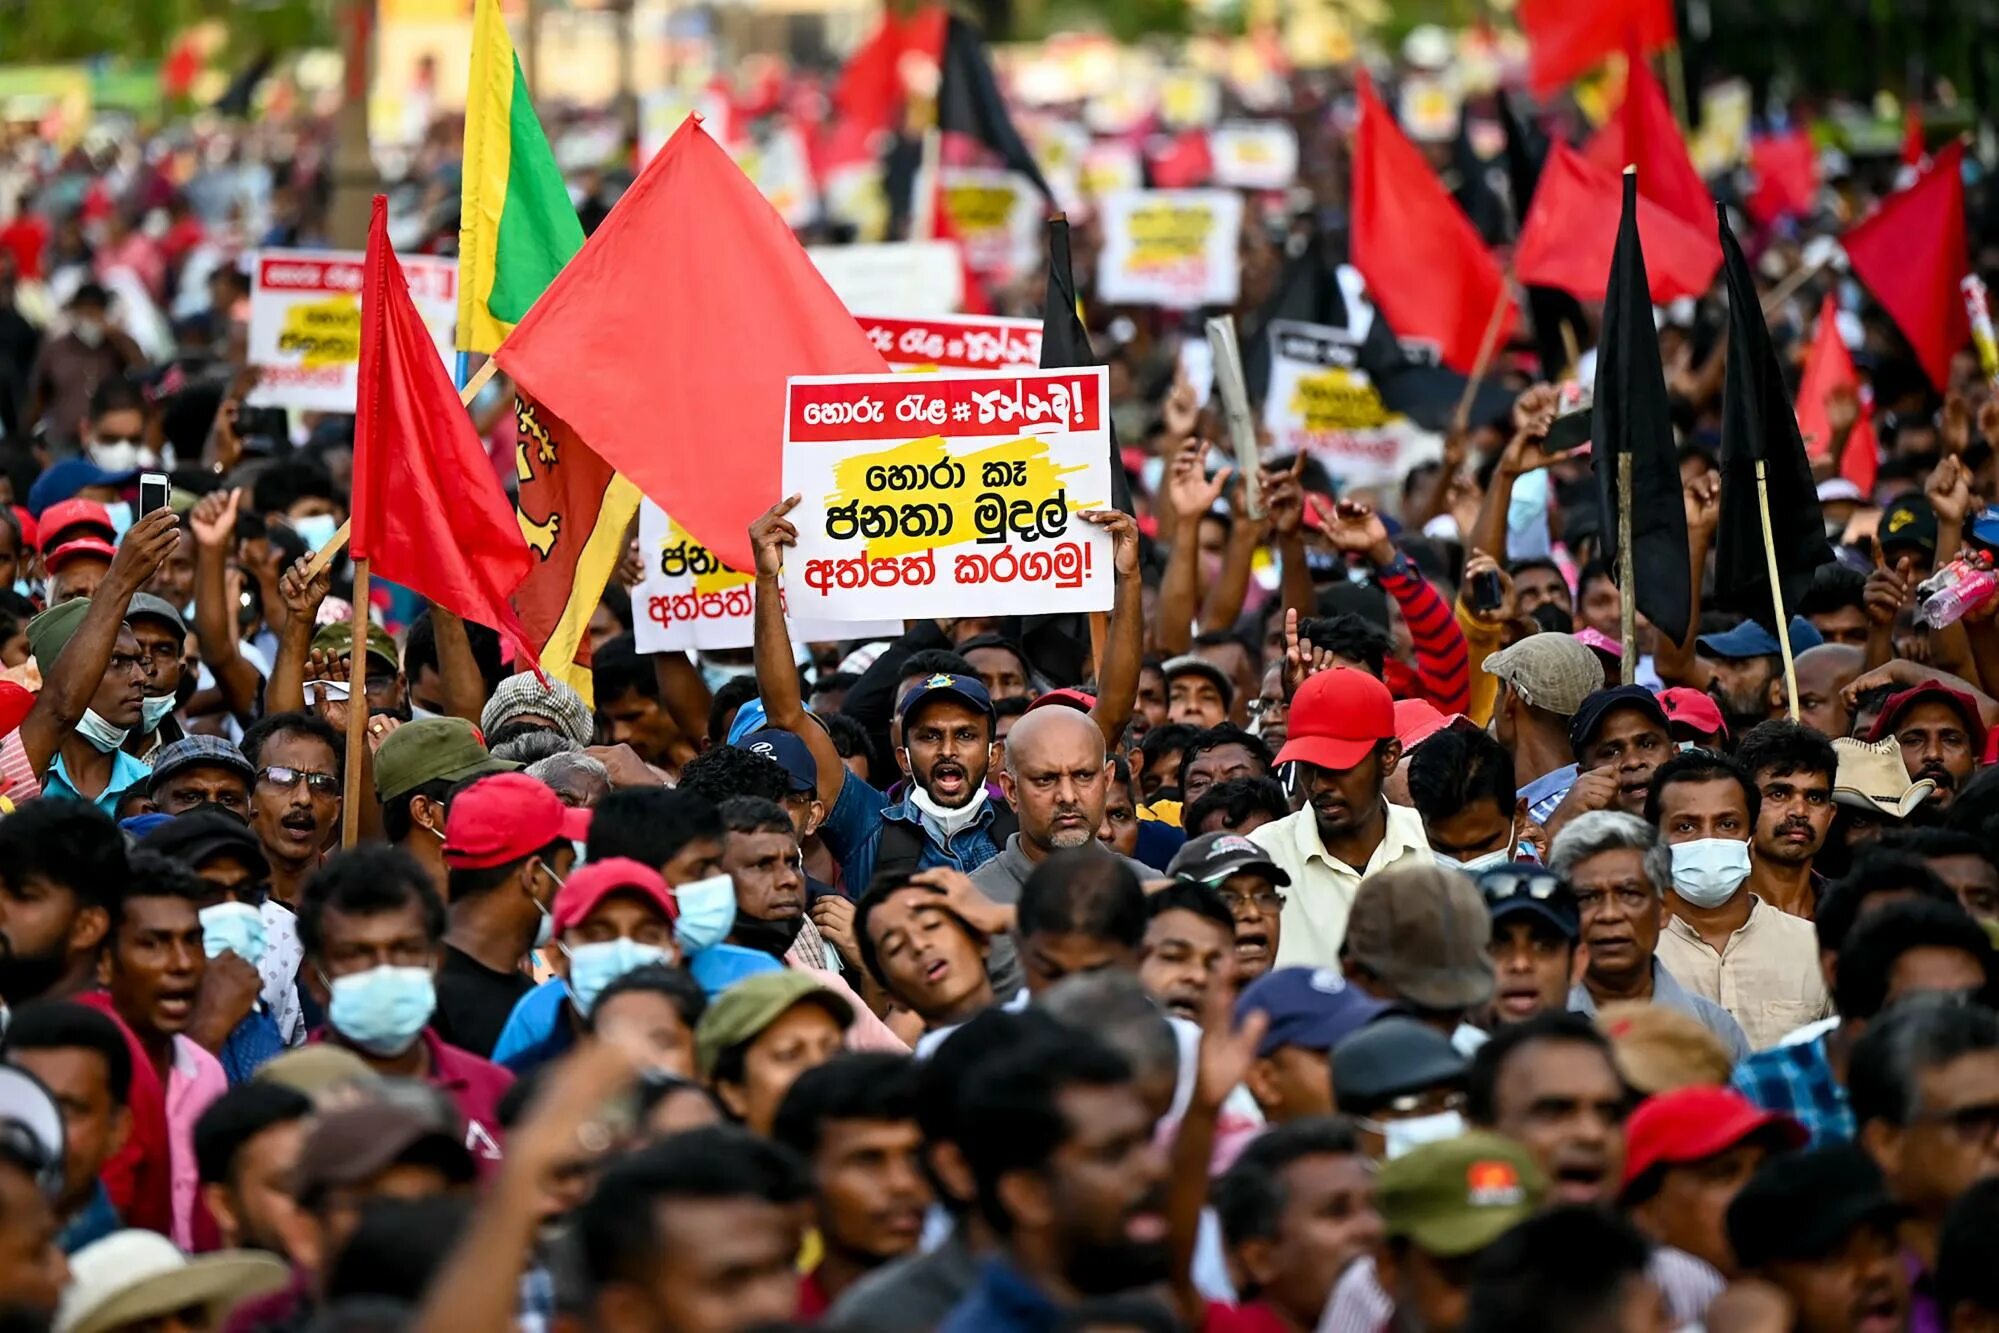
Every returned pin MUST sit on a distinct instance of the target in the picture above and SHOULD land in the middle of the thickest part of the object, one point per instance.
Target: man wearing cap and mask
(1342, 743)
(1543, 680)
(1403, 1082)
(415, 769)
(197, 771)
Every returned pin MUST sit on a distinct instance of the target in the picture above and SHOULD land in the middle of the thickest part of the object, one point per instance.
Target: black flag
(1631, 419)
(969, 101)
(1758, 424)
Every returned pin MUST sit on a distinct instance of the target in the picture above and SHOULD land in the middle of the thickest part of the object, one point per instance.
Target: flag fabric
(1910, 254)
(969, 101)
(667, 341)
(1759, 425)
(1632, 418)
(1571, 233)
(1786, 167)
(870, 90)
(426, 511)
(1568, 38)
(1064, 340)
(516, 226)
(1912, 135)
(1829, 365)
(1427, 269)
(1644, 134)
(1548, 308)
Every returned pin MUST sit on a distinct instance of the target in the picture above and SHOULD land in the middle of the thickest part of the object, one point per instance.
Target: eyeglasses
(1503, 882)
(1258, 707)
(1266, 901)
(137, 664)
(285, 778)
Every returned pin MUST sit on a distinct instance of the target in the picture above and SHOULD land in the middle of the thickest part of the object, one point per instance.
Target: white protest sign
(931, 495)
(1254, 154)
(690, 599)
(305, 323)
(911, 278)
(1171, 248)
(955, 343)
(996, 216)
(1321, 400)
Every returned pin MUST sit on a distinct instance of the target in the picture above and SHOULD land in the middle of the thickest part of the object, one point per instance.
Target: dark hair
(467, 884)
(365, 881)
(1876, 870)
(618, 670)
(1221, 737)
(72, 844)
(1833, 587)
(1135, 1310)
(859, 1085)
(728, 701)
(619, 603)
(1012, 705)
(1249, 1197)
(1867, 959)
(284, 482)
(1559, 1271)
(1553, 618)
(1965, 1273)
(1482, 1080)
(1595, 569)
(1350, 636)
(1168, 738)
(753, 814)
(1906, 1040)
(56, 1025)
(1457, 767)
(156, 876)
(1528, 564)
(397, 822)
(397, 1247)
(826, 682)
(885, 884)
(673, 984)
(1935, 844)
(117, 394)
(1009, 1116)
(1001, 642)
(650, 824)
(236, 1117)
(1187, 895)
(724, 771)
(290, 724)
(1694, 766)
(1080, 890)
(932, 662)
(617, 1227)
(1783, 747)
(420, 651)
(1236, 800)
(850, 738)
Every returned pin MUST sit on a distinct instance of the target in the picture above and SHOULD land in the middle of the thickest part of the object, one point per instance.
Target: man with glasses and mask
(1535, 926)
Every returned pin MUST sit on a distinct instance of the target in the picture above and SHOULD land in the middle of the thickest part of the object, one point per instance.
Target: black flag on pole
(969, 101)
(1631, 417)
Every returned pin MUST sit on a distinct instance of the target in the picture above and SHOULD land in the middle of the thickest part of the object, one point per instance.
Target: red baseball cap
(77, 513)
(1689, 1124)
(75, 547)
(591, 885)
(1080, 700)
(1929, 691)
(1417, 720)
(1691, 708)
(505, 817)
(1336, 717)
(31, 531)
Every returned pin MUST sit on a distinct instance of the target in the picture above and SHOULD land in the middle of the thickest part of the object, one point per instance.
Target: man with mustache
(1792, 768)
(1249, 883)
(295, 801)
(1738, 666)
(1619, 736)
(1941, 733)
(1057, 776)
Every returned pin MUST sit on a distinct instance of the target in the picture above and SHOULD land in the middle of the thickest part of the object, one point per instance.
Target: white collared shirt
(1323, 886)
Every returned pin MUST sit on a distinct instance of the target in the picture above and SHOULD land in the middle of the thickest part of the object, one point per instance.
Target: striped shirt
(1443, 663)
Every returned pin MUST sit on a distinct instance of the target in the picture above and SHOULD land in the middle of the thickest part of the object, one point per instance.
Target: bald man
(1058, 778)
(1823, 672)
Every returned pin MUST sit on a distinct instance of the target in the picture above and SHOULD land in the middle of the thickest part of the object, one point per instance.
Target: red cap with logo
(1693, 709)
(582, 891)
(75, 547)
(65, 514)
(1336, 718)
(504, 818)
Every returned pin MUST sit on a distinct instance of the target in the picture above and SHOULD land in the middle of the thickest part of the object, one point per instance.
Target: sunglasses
(285, 778)
(1504, 882)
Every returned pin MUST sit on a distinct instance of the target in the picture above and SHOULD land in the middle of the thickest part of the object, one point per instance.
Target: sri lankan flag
(516, 230)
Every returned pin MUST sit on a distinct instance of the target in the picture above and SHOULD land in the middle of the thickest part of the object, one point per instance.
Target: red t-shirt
(139, 1176)
(475, 1087)
(1256, 1317)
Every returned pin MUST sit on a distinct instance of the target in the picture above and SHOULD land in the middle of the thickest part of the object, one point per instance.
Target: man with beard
(1342, 741)
(1058, 779)
(1061, 1152)
(1941, 734)
(1792, 768)
(295, 801)
(1189, 948)
(1248, 882)
(1819, 1226)
(1738, 667)
(1619, 736)
(246, 1146)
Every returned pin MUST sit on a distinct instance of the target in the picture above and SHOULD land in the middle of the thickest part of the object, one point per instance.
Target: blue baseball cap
(1750, 639)
(1985, 526)
(1309, 1007)
(63, 480)
(968, 690)
(749, 718)
(789, 751)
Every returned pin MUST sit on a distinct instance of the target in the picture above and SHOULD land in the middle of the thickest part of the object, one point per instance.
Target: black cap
(1526, 889)
(194, 837)
(1392, 1057)
(1803, 1206)
(1583, 726)
(1910, 521)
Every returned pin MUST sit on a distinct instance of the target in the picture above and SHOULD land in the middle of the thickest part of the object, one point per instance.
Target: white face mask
(316, 530)
(1708, 871)
(89, 332)
(122, 456)
(100, 733)
(154, 711)
(1404, 1136)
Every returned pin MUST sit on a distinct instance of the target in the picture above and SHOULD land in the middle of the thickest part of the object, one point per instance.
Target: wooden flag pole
(1462, 416)
(357, 710)
(331, 551)
(1777, 590)
(1626, 590)
(1788, 288)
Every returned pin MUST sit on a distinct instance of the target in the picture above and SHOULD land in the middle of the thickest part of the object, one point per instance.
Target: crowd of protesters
(1334, 948)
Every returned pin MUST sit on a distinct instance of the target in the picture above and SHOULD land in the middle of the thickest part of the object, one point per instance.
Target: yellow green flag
(516, 226)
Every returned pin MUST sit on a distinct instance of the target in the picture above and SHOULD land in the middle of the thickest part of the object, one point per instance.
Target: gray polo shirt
(1669, 992)
(1001, 878)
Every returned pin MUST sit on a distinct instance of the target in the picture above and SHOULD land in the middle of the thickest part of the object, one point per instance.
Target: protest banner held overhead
(1171, 248)
(1254, 154)
(948, 496)
(305, 323)
(996, 216)
(955, 343)
(1323, 401)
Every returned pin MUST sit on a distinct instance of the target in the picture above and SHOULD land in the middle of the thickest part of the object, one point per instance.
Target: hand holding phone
(155, 492)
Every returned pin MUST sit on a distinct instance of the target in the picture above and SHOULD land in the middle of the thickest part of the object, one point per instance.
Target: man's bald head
(1059, 726)
(1824, 673)
(1057, 777)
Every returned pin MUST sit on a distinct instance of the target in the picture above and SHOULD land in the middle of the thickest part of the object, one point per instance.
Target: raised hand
(1481, 563)
(142, 551)
(771, 533)
(1181, 411)
(1189, 490)
(1702, 497)
(214, 519)
(1355, 529)
(302, 591)
(1124, 537)
(1949, 488)
(1284, 498)
(1302, 659)
(1888, 590)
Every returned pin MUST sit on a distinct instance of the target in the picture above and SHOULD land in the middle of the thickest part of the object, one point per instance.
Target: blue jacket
(853, 833)
(1003, 1301)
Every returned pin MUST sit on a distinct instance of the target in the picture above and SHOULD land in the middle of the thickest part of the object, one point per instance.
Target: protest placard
(1321, 400)
(996, 217)
(1111, 165)
(955, 343)
(305, 323)
(940, 496)
(1254, 154)
(690, 599)
(775, 160)
(1171, 248)
(906, 278)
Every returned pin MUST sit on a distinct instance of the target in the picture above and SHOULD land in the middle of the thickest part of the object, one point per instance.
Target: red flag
(427, 513)
(1644, 134)
(1910, 253)
(871, 88)
(1912, 136)
(1829, 366)
(1787, 176)
(1567, 38)
(1571, 230)
(1425, 266)
(666, 342)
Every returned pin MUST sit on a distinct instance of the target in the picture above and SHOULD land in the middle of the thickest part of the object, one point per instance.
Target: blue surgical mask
(25, 589)
(544, 931)
(595, 966)
(236, 928)
(153, 711)
(101, 734)
(707, 913)
(1708, 871)
(383, 1009)
(315, 530)
(121, 517)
